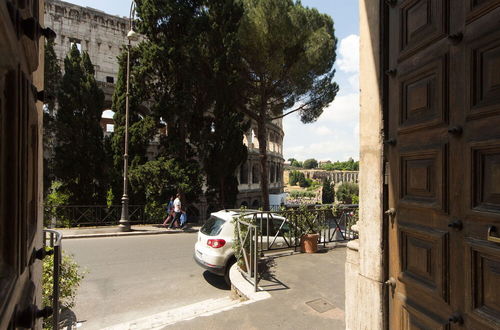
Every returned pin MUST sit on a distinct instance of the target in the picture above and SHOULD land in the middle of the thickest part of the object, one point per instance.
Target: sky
(335, 135)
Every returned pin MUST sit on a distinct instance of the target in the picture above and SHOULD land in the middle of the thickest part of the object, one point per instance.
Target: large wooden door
(20, 221)
(443, 153)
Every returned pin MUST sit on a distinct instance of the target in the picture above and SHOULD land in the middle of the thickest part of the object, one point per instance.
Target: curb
(131, 233)
(244, 289)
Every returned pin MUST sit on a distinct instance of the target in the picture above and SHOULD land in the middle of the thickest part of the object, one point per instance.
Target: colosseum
(103, 36)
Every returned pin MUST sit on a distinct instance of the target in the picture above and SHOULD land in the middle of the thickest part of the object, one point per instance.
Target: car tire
(230, 263)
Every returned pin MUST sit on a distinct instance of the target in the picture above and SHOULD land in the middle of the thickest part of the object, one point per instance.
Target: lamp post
(124, 223)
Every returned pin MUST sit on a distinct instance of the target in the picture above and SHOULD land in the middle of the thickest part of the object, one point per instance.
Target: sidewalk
(110, 231)
(306, 292)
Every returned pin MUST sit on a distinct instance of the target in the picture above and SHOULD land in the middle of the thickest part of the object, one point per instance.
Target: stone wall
(99, 34)
(364, 278)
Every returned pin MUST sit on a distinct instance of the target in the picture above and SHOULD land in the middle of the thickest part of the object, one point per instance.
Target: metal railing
(247, 236)
(53, 239)
(279, 230)
(102, 215)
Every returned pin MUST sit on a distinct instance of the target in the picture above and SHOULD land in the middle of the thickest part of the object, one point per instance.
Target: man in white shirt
(177, 210)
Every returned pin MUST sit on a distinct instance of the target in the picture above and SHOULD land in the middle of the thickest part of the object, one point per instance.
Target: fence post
(255, 259)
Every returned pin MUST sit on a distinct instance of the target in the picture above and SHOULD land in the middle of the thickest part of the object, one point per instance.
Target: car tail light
(216, 243)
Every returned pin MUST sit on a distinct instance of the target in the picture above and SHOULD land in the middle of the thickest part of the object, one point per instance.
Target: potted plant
(309, 224)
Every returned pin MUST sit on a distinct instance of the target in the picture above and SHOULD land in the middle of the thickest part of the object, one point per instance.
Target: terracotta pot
(309, 243)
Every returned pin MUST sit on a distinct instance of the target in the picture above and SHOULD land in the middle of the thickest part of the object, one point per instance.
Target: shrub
(56, 198)
(301, 194)
(70, 278)
(346, 191)
(303, 182)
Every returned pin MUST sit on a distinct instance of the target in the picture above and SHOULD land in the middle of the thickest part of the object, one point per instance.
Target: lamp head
(132, 35)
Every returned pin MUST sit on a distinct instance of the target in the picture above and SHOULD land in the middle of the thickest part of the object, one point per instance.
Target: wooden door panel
(423, 95)
(423, 177)
(483, 283)
(414, 316)
(424, 260)
(483, 94)
(485, 176)
(477, 8)
(421, 23)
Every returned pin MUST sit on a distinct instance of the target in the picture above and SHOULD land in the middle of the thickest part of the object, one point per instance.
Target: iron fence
(53, 239)
(279, 230)
(97, 215)
(102, 215)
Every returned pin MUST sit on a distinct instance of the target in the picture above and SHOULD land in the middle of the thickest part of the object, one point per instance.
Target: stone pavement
(109, 231)
(306, 292)
(300, 291)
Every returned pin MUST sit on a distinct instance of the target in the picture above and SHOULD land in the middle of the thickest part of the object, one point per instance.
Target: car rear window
(213, 226)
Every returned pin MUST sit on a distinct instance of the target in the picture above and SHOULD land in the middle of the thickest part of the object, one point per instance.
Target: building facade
(21, 197)
(249, 172)
(101, 35)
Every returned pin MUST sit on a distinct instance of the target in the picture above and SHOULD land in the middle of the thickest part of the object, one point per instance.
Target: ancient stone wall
(99, 34)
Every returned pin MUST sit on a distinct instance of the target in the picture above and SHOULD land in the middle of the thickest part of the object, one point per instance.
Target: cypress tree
(52, 85)
(79, 153)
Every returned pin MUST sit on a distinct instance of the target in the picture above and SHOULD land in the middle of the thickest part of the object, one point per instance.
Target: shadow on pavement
(216, 281)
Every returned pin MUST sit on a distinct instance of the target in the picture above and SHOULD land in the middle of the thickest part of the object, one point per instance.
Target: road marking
(160, 320)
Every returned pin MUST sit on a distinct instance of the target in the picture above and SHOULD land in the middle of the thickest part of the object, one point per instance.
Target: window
(110, 80)
(77, 43)
(255, 174)
(110, 128)
(244, 173)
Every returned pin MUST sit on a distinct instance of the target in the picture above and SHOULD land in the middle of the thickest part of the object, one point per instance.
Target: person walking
(169, 208)
(177, 210)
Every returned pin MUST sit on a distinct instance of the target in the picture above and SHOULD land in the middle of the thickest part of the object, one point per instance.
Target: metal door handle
(491, 238)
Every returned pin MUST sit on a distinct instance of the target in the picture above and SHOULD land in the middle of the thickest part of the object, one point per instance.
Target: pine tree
(289, 51)
(79, 153)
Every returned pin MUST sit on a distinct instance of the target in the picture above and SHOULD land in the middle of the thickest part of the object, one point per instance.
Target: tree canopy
(310, 163)
(289, 53)
(349, 165)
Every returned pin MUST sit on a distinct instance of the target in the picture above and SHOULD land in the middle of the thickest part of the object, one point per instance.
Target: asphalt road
(136, 276)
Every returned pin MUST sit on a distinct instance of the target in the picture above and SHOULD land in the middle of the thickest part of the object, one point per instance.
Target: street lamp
(124, 223)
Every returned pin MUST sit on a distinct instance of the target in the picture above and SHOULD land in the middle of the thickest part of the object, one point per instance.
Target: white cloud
(335, 136)
(348, 52)
(324, 131)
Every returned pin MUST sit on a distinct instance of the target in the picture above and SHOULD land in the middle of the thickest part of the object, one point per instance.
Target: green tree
(310, 163)
(171, 73)
(327, 194)
(52, 86)
(294, 177)
(346, 192)
(296, 163)
(79, 153)
(162, 178)
(142, 128)
(303, 182)
(289, 52)
(221, 148)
